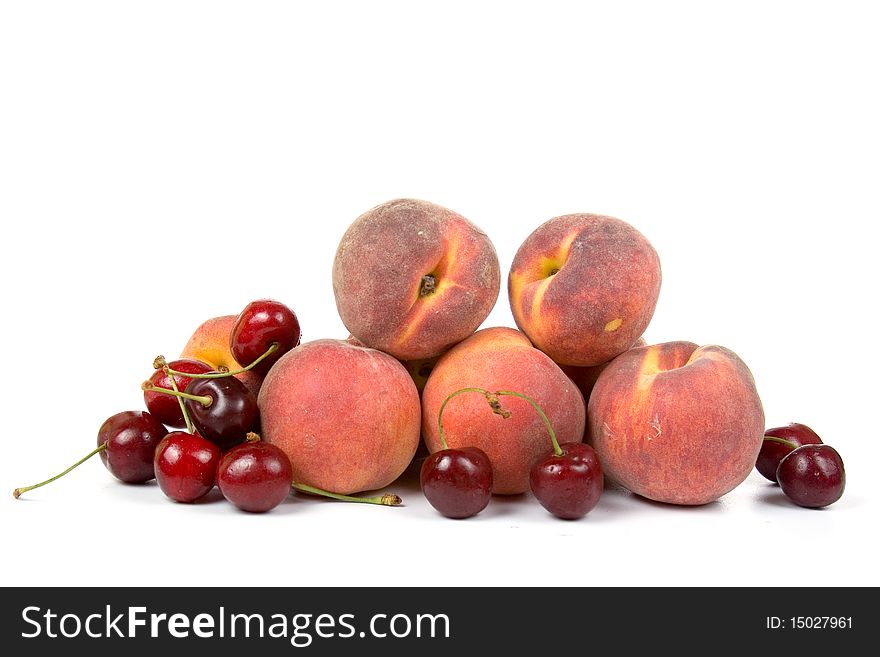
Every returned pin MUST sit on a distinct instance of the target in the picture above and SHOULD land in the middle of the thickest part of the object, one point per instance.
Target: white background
(162, 163)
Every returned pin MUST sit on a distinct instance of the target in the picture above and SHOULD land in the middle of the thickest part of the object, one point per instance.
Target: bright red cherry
(457, 482)
(780, 443)
(812, 475)
(261, 324)
(165, 407)
(569, 483)
(131, 438)
(255, 476)
(126, 442)
(186, 466)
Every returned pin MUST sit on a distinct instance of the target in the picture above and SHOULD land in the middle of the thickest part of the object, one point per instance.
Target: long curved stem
(492, 399)
(388, 499)
(18, 491)
(556, 448)
(443, 443)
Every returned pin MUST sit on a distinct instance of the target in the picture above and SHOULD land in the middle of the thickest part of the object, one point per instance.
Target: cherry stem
(18, 491)
(781, 441)
(204, 400)
(492, 399)
(388, 499)
(186, 418)
(160, 363)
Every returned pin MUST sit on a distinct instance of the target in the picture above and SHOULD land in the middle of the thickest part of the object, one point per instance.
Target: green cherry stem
(18, 491)
(186, 418)
(204, 400)
(556, 448)
(781, 441)
(388, 499)
(492, 399)
(160, 363)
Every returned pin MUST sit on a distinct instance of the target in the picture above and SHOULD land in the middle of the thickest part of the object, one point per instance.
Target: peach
(585, 377)
(347, 416)
(412, 278)
(583, 287)
(210, 344)
(501, 359)
(677, 423)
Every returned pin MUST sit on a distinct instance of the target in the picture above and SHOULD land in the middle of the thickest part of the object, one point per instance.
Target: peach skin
(677, 423)
(412, 278)
(583, 287)
(347, 416)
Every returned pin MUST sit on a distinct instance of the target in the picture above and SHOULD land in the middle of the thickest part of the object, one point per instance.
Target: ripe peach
(210, 344)
(583, 287)
(412, 278)
(501, 359)
(677, 423)
(347, 416)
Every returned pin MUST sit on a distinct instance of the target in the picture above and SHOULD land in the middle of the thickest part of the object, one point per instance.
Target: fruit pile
(572, 397)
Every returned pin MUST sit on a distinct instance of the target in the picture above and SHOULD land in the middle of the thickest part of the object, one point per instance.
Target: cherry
(255, 476)
(166, 408)
(778, 442)
(126, 442)
(261, 324)
(222, 409)
(812, 475)
(230, 414)
(130, 438)
(456, 482)
(186, 466)
(568, 481)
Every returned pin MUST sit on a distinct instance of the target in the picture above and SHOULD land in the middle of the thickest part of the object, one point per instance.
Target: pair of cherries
(809, 472)
(255, 476)
(567, 481)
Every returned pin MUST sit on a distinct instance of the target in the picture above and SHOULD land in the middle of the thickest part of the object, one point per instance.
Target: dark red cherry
(166, 408)
(186, 466)
(812, 475)
(126, 442)
(773, 451)
(131, 438)
(261, 324)
(569, 484)
(457, 482)
(255, 476)
(225, 411)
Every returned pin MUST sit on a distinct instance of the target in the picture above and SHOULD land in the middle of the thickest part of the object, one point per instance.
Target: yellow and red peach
(412, 278)
(210, 343)
(677, 423)
(347, 416)
(501, 359)
(583, 287)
